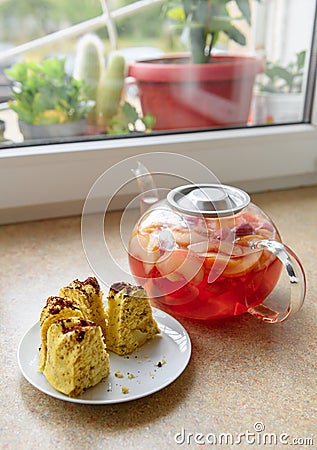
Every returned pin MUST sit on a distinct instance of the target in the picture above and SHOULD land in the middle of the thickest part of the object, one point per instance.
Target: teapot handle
(297, 283)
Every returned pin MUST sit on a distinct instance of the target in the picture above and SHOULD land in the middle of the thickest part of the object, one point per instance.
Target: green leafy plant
(205, 20)
(128, 120)
(284, 79)
(45, 94)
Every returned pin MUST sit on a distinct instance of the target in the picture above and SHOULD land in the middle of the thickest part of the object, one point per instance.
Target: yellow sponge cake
(130, 319)
(76, 356)
(56, 308)
(76, 332)
(87, 296)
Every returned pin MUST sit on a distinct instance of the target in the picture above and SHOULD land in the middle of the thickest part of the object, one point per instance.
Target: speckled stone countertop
(243, 374)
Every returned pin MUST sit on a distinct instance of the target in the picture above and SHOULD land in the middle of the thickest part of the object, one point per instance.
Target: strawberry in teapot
(206, 252)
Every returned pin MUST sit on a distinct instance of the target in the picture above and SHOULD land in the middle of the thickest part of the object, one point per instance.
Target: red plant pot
(182, 95)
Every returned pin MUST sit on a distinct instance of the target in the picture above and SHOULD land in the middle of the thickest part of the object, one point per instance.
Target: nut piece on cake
(130, 319)
(56, 308)
(76, 356)
(87, 295)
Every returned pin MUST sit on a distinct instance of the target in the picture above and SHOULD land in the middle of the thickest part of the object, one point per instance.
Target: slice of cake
(76, 356)
(56, 308)
(87, 295)
(130, 319)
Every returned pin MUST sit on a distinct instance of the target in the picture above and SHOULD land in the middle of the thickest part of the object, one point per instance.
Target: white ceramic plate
(172, 349)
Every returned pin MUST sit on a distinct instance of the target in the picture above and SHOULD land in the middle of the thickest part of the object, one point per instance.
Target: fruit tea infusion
(208, 271)
(202, 265)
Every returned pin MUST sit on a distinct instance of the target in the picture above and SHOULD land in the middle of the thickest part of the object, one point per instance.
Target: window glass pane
(68, 73)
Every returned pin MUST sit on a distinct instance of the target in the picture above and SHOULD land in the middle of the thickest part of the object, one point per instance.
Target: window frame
(53, 180)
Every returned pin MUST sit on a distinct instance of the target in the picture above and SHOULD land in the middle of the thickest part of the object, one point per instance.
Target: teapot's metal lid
(208, 200)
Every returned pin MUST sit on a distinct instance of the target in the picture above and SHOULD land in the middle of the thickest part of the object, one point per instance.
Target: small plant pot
(53, 131)
(277, 108)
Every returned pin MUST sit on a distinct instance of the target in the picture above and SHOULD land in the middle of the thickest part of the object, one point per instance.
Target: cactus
(110, 90)
(89, 66)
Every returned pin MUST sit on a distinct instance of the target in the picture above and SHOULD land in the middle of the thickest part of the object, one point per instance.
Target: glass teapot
(206, 252)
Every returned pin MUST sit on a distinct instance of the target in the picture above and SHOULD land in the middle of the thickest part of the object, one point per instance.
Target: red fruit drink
(204, 268)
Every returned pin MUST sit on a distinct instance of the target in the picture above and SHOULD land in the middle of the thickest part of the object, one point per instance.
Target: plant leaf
(176, 14)
(300, 57)
(244, 7)
(221, 23)
(279, 72)
(129, 112)
(236, 35)
(149, 121)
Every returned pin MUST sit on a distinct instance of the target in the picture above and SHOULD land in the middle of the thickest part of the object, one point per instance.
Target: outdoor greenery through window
(130, 68)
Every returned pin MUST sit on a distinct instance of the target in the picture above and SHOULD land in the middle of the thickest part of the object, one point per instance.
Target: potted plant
(279, 97)
(105, 79)
(48, 102)
(201, 90)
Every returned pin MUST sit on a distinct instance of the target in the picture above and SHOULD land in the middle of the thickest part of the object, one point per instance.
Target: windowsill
(154, 139)
(54, 180)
